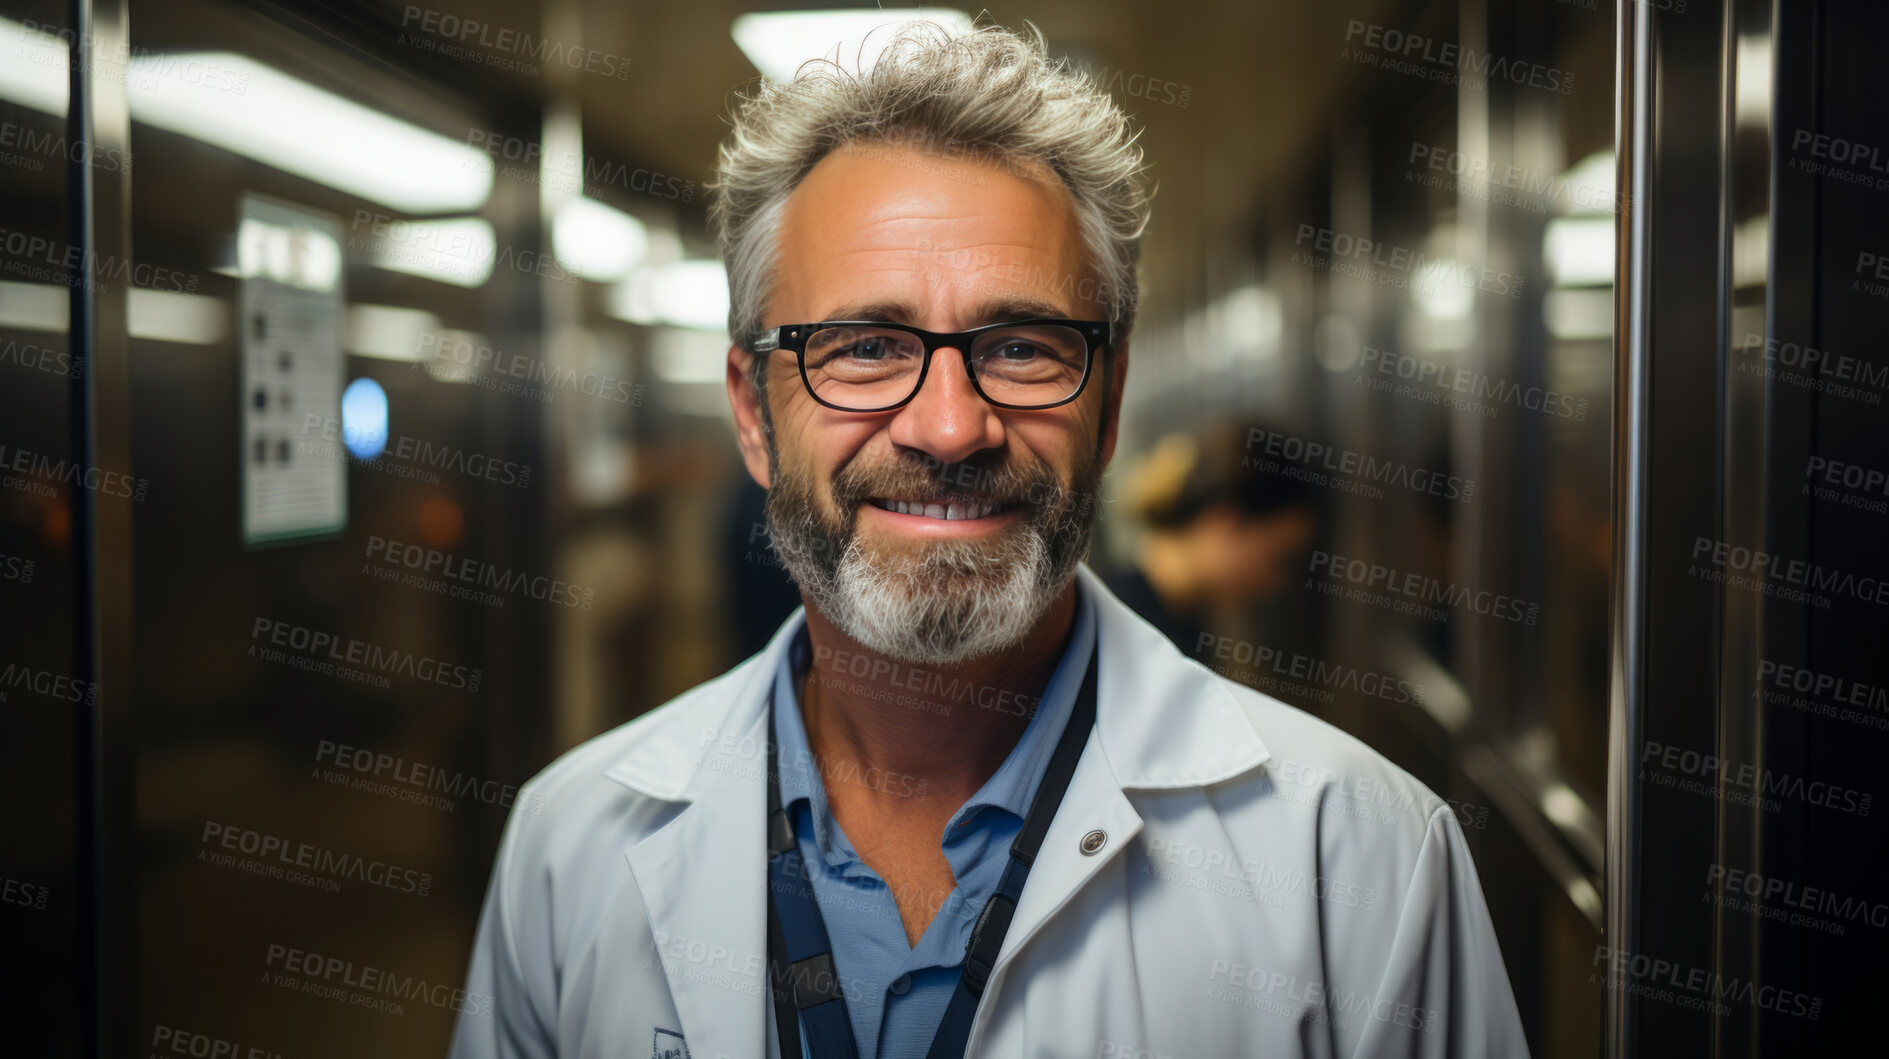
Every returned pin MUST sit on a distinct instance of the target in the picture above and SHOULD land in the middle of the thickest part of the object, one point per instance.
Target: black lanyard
(809, 988)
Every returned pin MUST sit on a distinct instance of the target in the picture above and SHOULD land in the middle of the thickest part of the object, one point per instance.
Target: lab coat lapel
(1161, 722)
(1094, 802)
(703, 883)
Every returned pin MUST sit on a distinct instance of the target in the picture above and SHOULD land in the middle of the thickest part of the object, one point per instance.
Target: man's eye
(1019, 350)
(859, 352)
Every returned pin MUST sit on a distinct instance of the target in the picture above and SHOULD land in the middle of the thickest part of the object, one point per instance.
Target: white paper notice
(295, 456)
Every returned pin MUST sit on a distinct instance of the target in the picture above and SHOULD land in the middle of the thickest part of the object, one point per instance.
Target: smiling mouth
(947, 511)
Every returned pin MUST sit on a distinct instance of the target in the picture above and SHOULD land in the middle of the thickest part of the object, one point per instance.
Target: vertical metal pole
(1626, 632)
(1747, 87)
(98, 225)
(87, 726)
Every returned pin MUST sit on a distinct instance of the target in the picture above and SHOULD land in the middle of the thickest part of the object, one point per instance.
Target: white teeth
(938, 511)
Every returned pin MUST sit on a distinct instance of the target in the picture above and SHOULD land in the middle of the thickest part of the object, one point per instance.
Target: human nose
(947, 419)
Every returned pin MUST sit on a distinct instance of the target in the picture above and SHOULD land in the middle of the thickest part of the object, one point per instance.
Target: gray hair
(991, 92)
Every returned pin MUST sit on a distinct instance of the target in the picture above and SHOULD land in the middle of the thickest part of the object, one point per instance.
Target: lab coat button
(1093, 842)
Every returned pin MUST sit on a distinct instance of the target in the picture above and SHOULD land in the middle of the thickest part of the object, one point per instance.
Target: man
(979, 748)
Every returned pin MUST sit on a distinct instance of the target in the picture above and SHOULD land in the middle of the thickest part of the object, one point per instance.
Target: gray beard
(944, 604)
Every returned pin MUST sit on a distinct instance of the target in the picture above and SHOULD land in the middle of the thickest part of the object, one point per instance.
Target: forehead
(943, 236)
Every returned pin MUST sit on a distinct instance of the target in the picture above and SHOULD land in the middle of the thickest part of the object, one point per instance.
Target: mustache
(929, 482)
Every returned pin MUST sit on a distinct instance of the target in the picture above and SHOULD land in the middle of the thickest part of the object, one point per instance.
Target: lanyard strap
(809, 987)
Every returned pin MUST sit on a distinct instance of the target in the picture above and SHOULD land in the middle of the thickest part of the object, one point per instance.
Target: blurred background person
(1220, 537)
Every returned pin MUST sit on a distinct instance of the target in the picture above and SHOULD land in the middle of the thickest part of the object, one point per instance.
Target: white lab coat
(1267, 886)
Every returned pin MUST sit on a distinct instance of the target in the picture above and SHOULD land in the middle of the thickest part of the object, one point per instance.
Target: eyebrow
(996, 312)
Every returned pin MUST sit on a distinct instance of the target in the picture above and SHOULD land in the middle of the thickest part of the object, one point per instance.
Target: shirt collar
(1162, 720)
(1014, 784)
(799, 780)
(1010, 788)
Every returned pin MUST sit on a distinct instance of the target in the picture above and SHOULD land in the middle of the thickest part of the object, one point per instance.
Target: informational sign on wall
(295, 457)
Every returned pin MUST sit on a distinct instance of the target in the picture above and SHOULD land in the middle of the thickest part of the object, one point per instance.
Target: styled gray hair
(991, 93)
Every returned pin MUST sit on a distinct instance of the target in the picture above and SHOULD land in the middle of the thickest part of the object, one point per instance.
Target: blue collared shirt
(896, 994)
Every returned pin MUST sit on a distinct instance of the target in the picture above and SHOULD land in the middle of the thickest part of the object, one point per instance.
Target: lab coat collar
(1162, 722)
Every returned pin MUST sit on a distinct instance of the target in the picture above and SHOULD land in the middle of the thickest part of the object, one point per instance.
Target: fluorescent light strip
(778, 42)
(459, 250)
(391, 332)
(33, 68)
(1579, 313)
(691, 294)
(245, 107)
(683, 356)
(1589, 185)
(1579, 251)
(34, 307)
(242, 106)
(169, 316)
(596, 241)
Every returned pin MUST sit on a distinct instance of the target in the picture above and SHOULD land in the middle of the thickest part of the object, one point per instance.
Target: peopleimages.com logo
(331, 654)
(1445, 61)
(361, 985)
(303, 863)
(46, 684)
(410, 457)
(521, 52)
(463, 578)
(1742, 783)
(1391, 265)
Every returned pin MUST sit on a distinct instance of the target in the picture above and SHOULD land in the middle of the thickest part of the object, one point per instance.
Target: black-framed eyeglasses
(872, 366)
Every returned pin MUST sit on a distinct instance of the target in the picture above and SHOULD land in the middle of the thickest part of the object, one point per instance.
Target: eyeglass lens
(872, 367)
